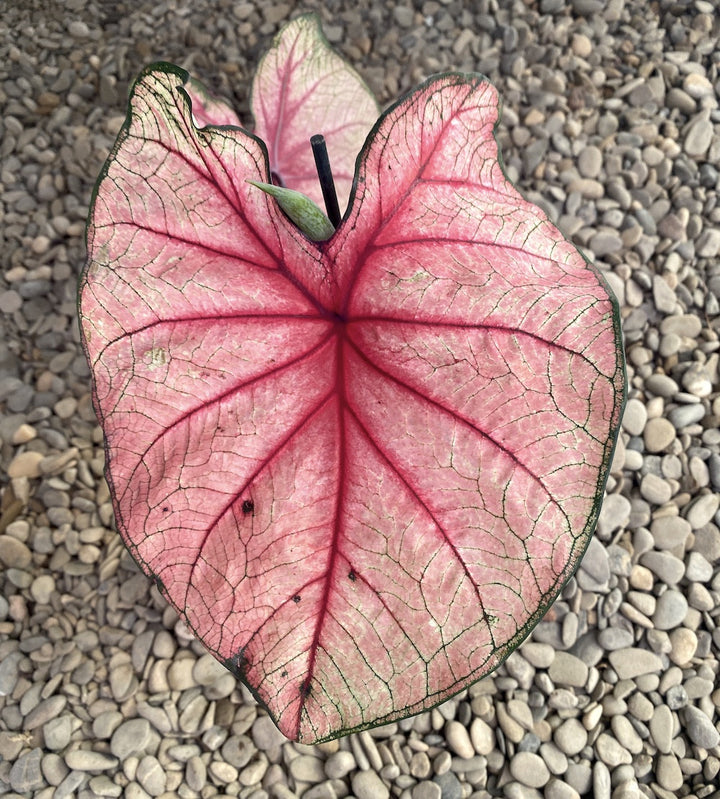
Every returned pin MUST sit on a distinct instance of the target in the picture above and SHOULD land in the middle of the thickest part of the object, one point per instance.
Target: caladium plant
(361, 468)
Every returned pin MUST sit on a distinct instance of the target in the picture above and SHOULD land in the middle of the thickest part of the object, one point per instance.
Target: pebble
(614, 638)
(307, 769)
(683, 646)
(635, 417)
(697, 380)
(368, 785)
(130, 738)
(662, 386)
(698, 569)
(14, 554)
(625, 734)
(449, 784)
(670, 610)
(207, 670)
(590, 159)
(44, 711)
(594, 571)
(458, 739)
(25, 464)
(571, 737)
(529, 769)
(180, 674)
(614, 515)
(698, 135)
(557, 789)
(670, 532)
(685, 415)
(339, 765)
(708, 245)
(538, 654)
(633, 662)
(655, 490)
(683, 325)
(610, 751)
(566, 669)
(601, 780)
(669, 774)
(105, 724)
(427, 790)
(57, 732)
(661, 728)
(89, 760)
(701, 731)
(221, 772)
(554, 758)
(151, 775)
(702, 510)
(658, 434)
(123, 681)
(24, 774)
(42, 588)
(482, 737)
(266, 736)
(195, 773)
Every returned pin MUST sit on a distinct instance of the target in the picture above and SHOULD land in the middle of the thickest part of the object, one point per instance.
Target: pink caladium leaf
(360, 469)
(302, 87)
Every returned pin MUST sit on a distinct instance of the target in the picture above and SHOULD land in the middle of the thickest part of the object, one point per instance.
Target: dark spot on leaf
(166, 509)
(237, 664)
(352, 576)
(305, 688)
(283, 673)
(248, 506)
(296, 598)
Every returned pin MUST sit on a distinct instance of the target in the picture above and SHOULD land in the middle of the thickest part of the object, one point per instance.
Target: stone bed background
(611, 124)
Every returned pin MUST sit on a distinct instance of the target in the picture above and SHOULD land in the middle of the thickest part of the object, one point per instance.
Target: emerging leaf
(301, 209)
(360, 469)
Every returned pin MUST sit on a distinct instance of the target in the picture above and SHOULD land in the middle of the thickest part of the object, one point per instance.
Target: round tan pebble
(40, 245)
(581, 45)
(684, 644)
(658, 434)
(65, 408)
(23, 434)
(13, 553)
(641, 578)
(42, 588)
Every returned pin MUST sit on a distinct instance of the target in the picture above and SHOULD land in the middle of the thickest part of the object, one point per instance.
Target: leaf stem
(327, 184)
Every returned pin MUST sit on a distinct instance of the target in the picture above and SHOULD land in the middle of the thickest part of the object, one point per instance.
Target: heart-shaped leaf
(303, 87)
(361, 469)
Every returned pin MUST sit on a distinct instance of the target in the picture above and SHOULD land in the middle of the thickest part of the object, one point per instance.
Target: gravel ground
(611, 123)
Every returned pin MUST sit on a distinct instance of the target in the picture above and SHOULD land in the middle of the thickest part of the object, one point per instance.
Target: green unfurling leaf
(301, 210)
